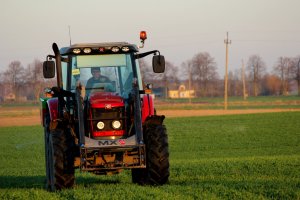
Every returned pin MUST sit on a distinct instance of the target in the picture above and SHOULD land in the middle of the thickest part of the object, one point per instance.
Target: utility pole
(190, 78)
(227, 42)
(243, 78)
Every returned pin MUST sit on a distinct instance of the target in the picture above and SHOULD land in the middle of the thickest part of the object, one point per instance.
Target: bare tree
(231, 84)
(14, 76)
(2, 89)
(271, 84)
(296, 72)
(204, 71)
(170, 76)
(34, 76)
(256, 67)
(145, 71)
(235, 86)
(186, 70)
(284, 70)
(164, 80)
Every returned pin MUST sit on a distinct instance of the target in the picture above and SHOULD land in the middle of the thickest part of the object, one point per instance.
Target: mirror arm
(50, 57)
(141, 55)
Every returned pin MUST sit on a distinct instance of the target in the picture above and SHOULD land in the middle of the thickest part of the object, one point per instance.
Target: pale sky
(179, 29)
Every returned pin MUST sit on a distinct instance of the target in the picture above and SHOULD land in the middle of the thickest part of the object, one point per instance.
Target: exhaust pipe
(58, 65)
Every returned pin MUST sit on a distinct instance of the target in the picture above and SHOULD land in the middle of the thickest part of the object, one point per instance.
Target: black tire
(157, 157)
(59, 160)
(48, 154)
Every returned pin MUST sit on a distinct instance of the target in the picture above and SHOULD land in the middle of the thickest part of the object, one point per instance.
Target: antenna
(70, 34)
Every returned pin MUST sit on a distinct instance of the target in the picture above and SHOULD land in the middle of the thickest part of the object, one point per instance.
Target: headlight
(100, 125)
(76, 51)
(87, 50)
(125, 49)
(116, 124)
(115, 49)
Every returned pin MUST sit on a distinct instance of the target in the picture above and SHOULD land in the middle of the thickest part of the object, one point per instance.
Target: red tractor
(99, 118)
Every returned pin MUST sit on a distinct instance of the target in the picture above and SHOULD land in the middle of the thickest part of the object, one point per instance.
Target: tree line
(198, 73)
(23, 83)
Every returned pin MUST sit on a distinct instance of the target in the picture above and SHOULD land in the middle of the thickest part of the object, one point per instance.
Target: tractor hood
(105, 100)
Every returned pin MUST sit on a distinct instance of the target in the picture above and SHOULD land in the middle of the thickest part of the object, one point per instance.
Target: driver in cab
(96, 78)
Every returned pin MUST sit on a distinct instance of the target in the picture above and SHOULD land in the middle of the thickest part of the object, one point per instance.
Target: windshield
(104, 73)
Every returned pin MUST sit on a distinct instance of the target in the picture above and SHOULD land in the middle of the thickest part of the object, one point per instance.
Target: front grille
(107, 117)
(101, 113)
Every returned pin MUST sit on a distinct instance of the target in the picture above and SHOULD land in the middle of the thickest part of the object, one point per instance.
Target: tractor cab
(107, 74)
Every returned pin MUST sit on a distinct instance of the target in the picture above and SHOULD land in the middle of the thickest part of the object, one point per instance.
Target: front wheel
(59, 160)
(157, 160)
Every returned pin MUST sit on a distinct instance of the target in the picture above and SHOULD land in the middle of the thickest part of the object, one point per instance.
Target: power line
(268, 41)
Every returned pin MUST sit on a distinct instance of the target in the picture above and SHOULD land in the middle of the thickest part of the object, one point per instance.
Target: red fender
(53, 108)
(147, 107)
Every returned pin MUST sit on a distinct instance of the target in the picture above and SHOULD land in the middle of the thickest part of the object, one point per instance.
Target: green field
(236, 99)
(219, 157)
(259, 102)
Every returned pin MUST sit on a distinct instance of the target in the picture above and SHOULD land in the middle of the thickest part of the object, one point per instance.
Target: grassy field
(219, 157)
(237, 99)
(260, 102)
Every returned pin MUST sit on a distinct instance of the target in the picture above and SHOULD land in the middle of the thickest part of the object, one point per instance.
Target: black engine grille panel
(108, 116)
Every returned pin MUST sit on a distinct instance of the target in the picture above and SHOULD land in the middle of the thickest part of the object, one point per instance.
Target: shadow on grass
(39, 182)
(88, 181)
(22, 182)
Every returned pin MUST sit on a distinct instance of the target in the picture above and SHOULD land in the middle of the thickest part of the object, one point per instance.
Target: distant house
(181, 92)
(10, 97)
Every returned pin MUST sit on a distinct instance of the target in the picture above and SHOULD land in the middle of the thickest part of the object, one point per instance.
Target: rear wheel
(59, 160)
(157, 160)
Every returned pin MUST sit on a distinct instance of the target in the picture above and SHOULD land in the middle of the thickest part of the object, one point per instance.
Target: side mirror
(49, 69)
(158, 64)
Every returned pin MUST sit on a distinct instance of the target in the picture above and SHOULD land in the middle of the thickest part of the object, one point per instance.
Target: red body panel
(53, 108)
(108, 101)
(147, 107)
(103, 99)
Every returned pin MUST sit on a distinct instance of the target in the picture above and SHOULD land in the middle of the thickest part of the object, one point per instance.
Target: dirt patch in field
(20, 121)
(31, 117)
